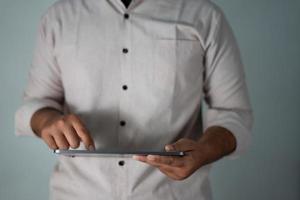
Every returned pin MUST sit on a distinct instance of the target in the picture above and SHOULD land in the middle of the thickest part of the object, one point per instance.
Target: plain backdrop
(268, 32)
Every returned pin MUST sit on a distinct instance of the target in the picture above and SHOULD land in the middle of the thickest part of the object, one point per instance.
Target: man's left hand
(175, 167)
(215, 143)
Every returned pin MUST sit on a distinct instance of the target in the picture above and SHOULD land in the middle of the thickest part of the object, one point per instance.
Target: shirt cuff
(24, 114)
(239, 123)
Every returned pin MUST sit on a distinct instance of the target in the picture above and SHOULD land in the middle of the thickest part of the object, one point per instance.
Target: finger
(71, 136)
(61, 141)
(83, 133)
(143, 158)
(164, 169)
(171, 147)
(181, 145)
(166, 160)
(140, 158)
(50, 142)
(170, 171)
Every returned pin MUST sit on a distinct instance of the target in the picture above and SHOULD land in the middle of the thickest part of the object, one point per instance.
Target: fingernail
(151, 157)
(135, 157)
(91, 148)
(169, 148)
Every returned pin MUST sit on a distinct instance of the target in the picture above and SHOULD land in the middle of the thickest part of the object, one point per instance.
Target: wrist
(215, 143)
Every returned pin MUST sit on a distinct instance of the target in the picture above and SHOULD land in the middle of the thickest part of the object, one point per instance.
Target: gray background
(268, 32)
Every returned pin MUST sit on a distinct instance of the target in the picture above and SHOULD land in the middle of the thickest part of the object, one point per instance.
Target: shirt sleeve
(225, 89)
(44, 87)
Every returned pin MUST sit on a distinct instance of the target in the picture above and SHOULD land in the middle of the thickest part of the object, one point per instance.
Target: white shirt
(137, 82)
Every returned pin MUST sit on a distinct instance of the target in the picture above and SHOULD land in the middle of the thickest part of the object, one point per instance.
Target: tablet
(114, 153)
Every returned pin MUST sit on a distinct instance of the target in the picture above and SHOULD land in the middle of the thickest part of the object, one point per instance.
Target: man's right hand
(61, 131)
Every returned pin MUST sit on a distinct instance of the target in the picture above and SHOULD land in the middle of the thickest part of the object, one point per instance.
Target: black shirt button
(125, 50)
(121, 162)
(122, 123)
(126, 15)
(124, 87)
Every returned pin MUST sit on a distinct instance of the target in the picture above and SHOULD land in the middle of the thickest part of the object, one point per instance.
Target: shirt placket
(125, 82)
(124, 101)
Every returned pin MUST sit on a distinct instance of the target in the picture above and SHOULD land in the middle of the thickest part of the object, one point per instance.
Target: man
(106, 75)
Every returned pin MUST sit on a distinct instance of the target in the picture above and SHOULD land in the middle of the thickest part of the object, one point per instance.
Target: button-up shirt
(137, 78)
(126, 2)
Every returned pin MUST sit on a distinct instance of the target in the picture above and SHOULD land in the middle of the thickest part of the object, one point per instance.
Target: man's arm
(227, 128)
(42, 117)
(42, 111)
(215, 143)
(218, 141)
(60, 131)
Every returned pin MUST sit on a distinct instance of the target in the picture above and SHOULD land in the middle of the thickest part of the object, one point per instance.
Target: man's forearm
(217, 142)
(42, 117)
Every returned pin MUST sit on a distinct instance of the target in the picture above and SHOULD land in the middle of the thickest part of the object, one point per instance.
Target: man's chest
(104, 41)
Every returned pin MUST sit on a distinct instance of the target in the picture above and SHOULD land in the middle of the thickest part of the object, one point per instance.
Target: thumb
(180, 145)
(170, 147)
